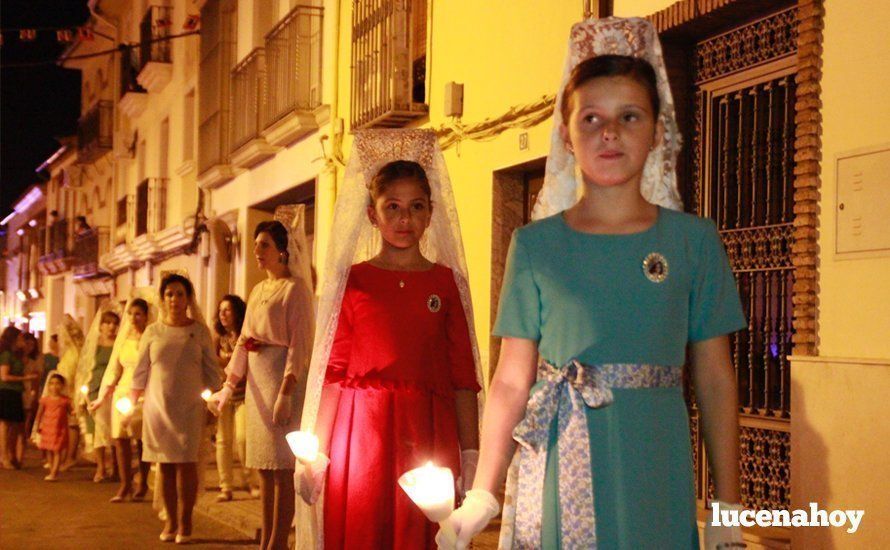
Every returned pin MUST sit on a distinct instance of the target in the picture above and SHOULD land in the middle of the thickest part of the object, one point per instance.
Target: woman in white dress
(127, 428)
(273, 352)
(176, 363)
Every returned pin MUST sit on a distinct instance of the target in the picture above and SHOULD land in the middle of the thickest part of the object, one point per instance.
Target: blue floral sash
(563, 395)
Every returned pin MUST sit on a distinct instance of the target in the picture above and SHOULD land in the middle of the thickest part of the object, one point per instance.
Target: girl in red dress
(401, 385)
(52, 422)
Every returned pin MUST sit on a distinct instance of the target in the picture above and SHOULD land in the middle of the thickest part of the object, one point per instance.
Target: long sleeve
(301, 327)
(143, 364)
(209, 365)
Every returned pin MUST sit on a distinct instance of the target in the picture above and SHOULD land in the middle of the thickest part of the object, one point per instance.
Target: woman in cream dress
(126, 429)
(176, 363)
(273, 353)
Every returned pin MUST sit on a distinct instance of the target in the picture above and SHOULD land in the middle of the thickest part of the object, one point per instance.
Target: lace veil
(635, 37)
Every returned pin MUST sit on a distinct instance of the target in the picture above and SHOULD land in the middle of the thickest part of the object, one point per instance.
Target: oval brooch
(655, 267)
(434, 303)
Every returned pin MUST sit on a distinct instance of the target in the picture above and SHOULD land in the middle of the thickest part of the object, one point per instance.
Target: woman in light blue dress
(609, 290)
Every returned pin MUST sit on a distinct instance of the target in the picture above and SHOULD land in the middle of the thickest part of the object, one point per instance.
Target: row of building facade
(190, 136)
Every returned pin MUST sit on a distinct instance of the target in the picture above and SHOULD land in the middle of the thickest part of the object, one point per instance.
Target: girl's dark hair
(239, 308)
(110, 317)
(611, 65)
(395, 171)
(274, 229)
(8, 338)
(34, 353)
(56, 375)
(141, 304)
(177, 278)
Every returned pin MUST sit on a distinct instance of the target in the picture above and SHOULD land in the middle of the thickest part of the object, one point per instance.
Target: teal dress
(103, 356)
(588, 298)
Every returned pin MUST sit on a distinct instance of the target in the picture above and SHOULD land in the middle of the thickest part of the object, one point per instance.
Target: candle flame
(84, 389)
(432, 489)
(124, 405)
(304, 445)
(205, 395)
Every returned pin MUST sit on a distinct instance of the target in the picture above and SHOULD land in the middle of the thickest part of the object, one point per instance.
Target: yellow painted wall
(839, 448)
(854, 295)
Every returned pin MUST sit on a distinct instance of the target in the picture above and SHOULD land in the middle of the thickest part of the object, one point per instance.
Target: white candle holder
(304, 445)
(432, 490)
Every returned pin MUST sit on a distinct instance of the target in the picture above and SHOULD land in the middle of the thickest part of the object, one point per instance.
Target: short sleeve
(461, 360)
(519, 311)
(714, 306)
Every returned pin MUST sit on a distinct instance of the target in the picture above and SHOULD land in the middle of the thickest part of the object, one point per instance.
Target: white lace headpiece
(357, 240)
(634, 37)
(299, 257)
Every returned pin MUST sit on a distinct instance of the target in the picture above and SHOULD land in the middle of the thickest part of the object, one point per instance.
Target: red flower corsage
(251, 344)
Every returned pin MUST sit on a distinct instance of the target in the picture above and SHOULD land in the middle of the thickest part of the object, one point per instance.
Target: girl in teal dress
(608, 290)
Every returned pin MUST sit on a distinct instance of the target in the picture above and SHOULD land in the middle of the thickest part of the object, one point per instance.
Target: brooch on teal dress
(655, 267)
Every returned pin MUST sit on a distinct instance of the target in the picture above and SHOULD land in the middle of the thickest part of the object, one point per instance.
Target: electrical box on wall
(863, 201)
(454, 99)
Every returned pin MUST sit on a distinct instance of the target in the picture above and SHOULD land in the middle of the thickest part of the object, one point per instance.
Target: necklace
(266, 294)
(400, 269)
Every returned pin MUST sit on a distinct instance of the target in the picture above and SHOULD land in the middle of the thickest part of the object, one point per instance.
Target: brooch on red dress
(655, 267)
(434, 303)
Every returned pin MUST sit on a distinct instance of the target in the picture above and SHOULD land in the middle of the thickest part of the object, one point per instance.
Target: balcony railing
(151, 206)
(154, 34)
(58, 237)
(56, 255)
(94, 133)
(388, 62)
(293, 63)
(249, 98)
(129, 69)
(87, 248)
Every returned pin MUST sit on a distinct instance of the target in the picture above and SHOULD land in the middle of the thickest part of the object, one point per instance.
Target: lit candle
(84, 389)
(432, 490)
(124, 405)
(304, 445)
(205, 395)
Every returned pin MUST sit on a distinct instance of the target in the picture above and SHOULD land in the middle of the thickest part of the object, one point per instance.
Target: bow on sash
(564, 393)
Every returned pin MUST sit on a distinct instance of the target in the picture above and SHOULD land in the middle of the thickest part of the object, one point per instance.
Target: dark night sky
(38, 103)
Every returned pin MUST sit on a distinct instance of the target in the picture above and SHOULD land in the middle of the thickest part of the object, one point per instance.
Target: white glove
(723, 537)
(309, 478)
(104, 392)
(469, 458)
(219, 399)
(470, 519)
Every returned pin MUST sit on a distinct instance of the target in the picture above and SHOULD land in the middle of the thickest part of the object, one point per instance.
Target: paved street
(75, 513)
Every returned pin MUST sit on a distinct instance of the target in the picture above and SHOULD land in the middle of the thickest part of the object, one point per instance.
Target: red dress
(401, 349)
(54, 423)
